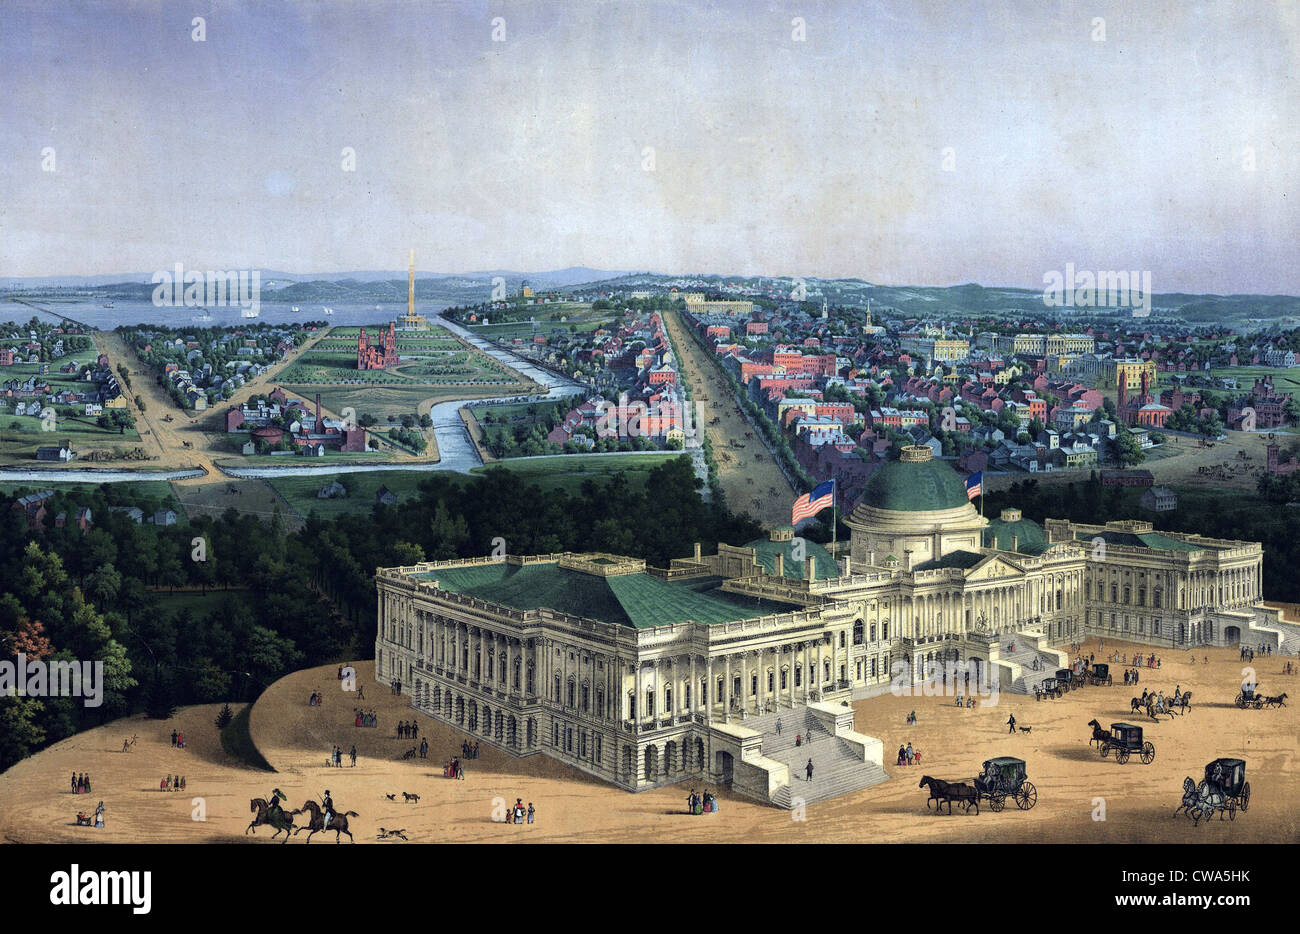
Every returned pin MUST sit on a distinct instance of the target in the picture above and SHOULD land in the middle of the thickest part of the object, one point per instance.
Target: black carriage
(1005, 777)
(1224, 790)
(1065, 677)
(1250, 698)
(1100, 674)
(1126, 739)
(1050, 687)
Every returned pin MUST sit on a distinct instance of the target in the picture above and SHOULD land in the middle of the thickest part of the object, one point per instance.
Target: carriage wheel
(1245, 796)
(1148, 753)
(1105, 750)
(1026, 796)
(997, 802)
(1121, 756)
(1241, 701)
(1232, 809)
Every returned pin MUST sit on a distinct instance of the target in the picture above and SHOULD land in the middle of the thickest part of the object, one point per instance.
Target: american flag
(812, 503)
(973, 483)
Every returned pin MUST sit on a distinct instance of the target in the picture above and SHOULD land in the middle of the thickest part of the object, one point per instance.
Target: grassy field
(149, 492)
(300, 492)
(383, 401)
(1284, 380)
(568, 472)
(577, 319)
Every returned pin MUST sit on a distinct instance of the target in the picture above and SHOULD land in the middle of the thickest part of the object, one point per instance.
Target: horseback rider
(327, 809)
(273, 810)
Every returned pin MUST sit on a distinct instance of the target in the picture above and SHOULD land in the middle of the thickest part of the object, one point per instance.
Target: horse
(1135, 705)
(1183, 702)
(942, 791)
(1099, 735)
(1191, 803)
(285, 822)
(1279, 701)
(316, 824)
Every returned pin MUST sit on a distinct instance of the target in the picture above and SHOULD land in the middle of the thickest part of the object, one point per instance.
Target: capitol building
(708, 669)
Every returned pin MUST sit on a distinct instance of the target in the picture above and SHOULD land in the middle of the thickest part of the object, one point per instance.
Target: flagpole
(834, 523)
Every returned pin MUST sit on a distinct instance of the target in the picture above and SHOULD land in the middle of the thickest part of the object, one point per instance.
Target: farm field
(1068, 772)
(1285, 380)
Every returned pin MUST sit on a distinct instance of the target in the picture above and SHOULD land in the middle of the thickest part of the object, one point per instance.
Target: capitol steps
(836, 771)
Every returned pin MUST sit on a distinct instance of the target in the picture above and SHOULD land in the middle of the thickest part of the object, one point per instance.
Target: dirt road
(751, 479)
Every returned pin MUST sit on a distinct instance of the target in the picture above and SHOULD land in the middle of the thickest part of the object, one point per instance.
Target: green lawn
(569, 471)
(1284, 380)
(300, 492)
(132, 492)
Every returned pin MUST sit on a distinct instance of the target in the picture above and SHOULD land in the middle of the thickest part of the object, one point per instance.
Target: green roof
(1030, 539)
(906, 486)
(638, 600)
(1138, 540)
(953, 559)
(824, 566)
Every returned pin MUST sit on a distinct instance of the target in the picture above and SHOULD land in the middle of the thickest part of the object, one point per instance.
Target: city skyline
(924, 145)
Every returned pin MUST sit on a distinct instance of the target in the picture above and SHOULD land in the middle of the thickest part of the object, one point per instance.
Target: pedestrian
(99, 815)
(531, 812)
(909, 753)
(173, 737)
(778, 726)
(809, 769)
(74, 783)
(1011, 723)
(354, 756)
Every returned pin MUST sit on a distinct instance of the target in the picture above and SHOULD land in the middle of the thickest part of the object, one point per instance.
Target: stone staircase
(1029, 678)
(837, 769)
(1290, 637)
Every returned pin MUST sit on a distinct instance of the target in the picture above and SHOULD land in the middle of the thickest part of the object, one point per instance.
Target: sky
(913, 142)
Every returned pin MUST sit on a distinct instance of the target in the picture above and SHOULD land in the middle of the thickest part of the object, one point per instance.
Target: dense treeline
(121, 591)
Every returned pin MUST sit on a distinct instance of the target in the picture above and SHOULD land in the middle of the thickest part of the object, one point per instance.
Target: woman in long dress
(99, 815)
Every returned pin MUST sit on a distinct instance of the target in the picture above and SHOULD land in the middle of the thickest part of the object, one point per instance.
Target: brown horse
(338, 823)
(942, 791)
(261, 807)
(1098, 734)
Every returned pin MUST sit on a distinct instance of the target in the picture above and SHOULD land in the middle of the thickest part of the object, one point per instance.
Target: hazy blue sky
(770, 155)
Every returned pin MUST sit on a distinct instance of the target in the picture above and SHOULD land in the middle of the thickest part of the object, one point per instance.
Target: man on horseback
(327, 809)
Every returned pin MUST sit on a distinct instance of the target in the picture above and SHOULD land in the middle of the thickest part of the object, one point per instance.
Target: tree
(224, 716)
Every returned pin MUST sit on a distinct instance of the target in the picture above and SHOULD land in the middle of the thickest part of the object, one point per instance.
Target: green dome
(915, 486)
(1026, 534)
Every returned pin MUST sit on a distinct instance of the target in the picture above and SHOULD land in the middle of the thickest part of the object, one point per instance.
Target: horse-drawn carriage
(1005, 777)
(1125, 739)
(1065, 677)
(1250, 698)
(1099, 674)
(1223, 790)
(1001, 778)
(1050, 687)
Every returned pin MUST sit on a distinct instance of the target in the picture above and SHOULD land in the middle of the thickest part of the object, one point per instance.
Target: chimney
(320, 426)
(697, 551)
(871, 559)
(1015, 543)
(847, 569)
(907, 559)
(778, 569)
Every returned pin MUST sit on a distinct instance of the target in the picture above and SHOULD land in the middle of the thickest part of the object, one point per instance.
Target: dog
(1026, 729)
(409, 798)
(388, 834)
(391, 797)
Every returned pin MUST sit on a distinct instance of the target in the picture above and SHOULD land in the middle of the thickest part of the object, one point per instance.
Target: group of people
(178, 740)
(81, 783)
(1130, 676)
(408, 730)
(911, 719)
(365, 719)
(316, 699)
(172, 783)
(336, 757)
(705, 803)
(963, 700)
(909, 756)
(469, 750)
(518, 815)
(1248, 654)
(454, 769)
